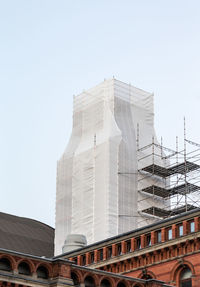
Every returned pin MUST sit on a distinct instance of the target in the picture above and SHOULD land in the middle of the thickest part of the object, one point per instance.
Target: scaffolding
(177, 173)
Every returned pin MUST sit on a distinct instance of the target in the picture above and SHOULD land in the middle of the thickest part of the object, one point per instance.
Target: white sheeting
(97, 176)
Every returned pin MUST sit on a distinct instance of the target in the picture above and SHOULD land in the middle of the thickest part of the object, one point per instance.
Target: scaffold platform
(181, 168)
(166, 192)
(163, 213)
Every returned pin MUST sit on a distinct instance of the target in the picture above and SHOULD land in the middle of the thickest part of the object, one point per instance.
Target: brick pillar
(142, 238)
(133, 243)
(128, 266)
(104, 253)
(123, 247)
(113, 268)
(65, 271)
(185, 227)
(163, 234)
(87, 257)
(174, 231)
(180, 249)
(196, 224)
(114, 247)
(95, 256)
(153, 237)
(79, 260)
(141, 261)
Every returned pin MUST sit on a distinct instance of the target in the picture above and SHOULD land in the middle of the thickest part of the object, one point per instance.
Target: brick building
(168, 251)
(161, 254)
(26, 260)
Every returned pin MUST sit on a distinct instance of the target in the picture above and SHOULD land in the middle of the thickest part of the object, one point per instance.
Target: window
(75, 260)
(192, 228)
(121, 284)
(89, 282)
(148, 239)
(5, 264)
(138, 243)
(110, 252)
(159, 236)
(119, 249)
(128, 246)
(42, 272)
(146, 277)
(169, 234)
(83, 260)
(180, 230)
(101, 254)
(24, 269)
(75, 279)
(185, 278)
(92, 257)
(105, 283)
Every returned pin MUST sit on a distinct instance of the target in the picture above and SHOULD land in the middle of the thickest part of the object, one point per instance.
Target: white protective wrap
(97, 176)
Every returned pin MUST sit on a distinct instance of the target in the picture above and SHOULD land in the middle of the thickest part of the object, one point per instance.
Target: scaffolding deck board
(182, 209)
(156, 190)
(184, 167)
(181, 168)
(157, 170)
(184, 188)
(159, 212)
(163, 192)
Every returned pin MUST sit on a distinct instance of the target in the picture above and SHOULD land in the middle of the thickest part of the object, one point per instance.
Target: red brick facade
(156, 255)
(160, 251)
(59, 273)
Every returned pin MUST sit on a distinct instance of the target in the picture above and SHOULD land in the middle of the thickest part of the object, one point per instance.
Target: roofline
(28, 218)
(52, 259)
(130, 232)
(120, 275)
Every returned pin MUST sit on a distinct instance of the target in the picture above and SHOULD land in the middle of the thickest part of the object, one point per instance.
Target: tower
(97, 176)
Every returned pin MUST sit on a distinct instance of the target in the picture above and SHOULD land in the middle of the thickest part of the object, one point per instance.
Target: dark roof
(26, 235)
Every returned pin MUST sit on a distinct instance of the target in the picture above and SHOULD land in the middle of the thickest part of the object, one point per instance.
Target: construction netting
(97, 176)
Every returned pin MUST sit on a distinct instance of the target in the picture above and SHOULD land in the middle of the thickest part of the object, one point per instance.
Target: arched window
(5, 264)
(105, 283)
(147, 277)
(24, 268)
(185, 277)
(89, 282)
(75, 279)
(121, 284)
(42, 272)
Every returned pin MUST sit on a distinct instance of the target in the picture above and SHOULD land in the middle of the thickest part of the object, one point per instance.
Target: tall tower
(97, 176)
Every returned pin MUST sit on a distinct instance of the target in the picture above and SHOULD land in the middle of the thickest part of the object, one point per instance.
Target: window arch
(89, 282)
(75, 279)
(23, 268)
(5, 264)
(146, 277)
(121, 284)
(42, 272)
(186, 277)
(105, 283)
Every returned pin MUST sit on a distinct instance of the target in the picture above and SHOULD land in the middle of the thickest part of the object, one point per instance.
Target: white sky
(50, 50)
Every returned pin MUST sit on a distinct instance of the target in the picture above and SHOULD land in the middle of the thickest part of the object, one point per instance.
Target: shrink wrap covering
(97, 176)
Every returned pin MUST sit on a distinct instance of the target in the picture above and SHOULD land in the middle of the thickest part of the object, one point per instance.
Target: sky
(51, 50)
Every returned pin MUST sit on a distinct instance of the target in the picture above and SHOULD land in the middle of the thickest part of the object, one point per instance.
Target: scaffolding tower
(178, 177)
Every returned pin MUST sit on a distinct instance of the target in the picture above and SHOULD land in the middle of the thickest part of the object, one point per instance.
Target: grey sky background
(50, 50)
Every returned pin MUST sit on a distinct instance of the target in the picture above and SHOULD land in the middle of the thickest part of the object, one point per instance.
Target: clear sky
(50, 50)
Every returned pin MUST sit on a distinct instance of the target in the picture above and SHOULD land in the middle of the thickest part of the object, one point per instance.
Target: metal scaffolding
(178, 177)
